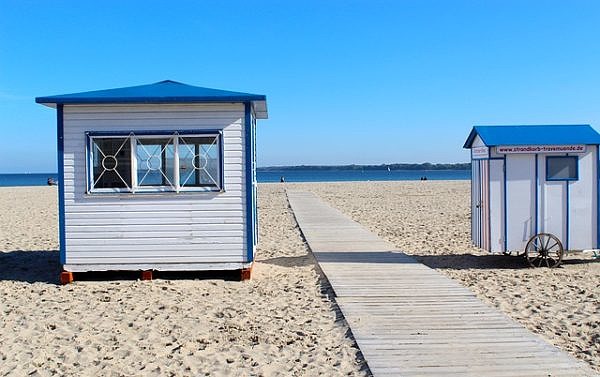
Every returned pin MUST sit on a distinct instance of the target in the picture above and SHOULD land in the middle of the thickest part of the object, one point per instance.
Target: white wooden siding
(582, 204)
(158, 230)
(496, 206)
(520, 200)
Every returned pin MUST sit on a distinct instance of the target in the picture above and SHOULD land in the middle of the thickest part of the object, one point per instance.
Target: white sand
(431, 220)
(279, 323)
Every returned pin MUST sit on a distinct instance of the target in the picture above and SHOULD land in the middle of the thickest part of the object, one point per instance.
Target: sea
(308, 175)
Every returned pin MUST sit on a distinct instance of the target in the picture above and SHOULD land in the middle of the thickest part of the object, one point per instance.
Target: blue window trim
(249, 184)
(563, 179)
(60, 143)
(143, 133)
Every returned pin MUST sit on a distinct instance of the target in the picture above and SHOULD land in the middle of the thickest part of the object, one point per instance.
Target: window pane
(111, 158)
(199, 164)
(561, 168)
(155, 161)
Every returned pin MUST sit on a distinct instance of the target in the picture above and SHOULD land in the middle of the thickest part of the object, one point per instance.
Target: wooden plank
(410, 320)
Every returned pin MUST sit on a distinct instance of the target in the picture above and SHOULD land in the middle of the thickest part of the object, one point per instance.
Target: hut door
(480, 204)
(475, 200)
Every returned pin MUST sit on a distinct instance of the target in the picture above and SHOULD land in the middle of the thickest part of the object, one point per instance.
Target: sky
(347, 82)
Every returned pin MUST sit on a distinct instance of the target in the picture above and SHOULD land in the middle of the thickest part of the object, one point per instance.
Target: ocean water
(34, 179)
(359, 175)
(41, 179)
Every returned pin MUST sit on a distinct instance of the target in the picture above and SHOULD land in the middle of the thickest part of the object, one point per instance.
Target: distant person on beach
(282, 179)
(51, 182)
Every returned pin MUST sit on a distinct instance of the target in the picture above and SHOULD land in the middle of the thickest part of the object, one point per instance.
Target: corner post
(60, 142)
(249, 184)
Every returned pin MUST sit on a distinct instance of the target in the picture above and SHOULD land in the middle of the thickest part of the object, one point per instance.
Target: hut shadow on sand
(31, 266)
(489, 262)
(293, 261)
(43, 266)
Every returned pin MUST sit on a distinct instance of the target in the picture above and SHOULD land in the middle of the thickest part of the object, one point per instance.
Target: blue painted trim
(222, 160)
(60, 143)
(563, 179)
(89, 165)
(254, 188)
(536, 195)
(597, 197)
(156, 132)
(249, 187)
(505, 207)
(144, 100)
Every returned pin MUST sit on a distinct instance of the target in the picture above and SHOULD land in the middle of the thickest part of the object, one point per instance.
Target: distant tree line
(423, 166)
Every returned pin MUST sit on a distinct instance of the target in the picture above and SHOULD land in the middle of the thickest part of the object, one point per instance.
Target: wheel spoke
(547, 242)
(532, 260)
(540, 261)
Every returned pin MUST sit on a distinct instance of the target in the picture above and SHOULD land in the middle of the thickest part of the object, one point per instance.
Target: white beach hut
(534, 183)
(157, 177)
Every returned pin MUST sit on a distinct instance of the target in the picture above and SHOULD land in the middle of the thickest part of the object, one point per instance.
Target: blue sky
(363, 82)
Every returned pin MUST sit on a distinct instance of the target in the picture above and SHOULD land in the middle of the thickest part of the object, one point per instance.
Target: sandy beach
(431, 220)
(279, 323)
(283, 321)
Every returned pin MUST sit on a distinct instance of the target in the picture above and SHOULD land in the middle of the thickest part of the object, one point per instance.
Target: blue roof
(167, 91)
(534, 135)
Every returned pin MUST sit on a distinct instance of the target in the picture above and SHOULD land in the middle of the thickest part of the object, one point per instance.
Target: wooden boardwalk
(410, 320)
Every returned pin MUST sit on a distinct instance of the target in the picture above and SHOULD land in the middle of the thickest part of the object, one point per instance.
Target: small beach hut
(157, 177)
(528, 180)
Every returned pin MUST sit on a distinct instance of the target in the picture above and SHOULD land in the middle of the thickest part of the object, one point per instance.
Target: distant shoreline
(423, 167)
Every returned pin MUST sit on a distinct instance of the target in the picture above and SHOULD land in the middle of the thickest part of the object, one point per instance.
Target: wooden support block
(147, 275)
(66, 277)
(245, 273)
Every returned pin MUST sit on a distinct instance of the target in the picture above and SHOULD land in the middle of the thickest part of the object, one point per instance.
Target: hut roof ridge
(534, 135)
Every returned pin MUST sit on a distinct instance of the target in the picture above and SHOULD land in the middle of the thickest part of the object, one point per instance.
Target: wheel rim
(544, 250)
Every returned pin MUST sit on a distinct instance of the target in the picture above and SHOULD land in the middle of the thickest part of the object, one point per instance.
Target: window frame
(576, 178)
(133, 137)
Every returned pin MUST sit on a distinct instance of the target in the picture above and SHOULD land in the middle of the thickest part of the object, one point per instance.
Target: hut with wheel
(157, 177)
(534, 190)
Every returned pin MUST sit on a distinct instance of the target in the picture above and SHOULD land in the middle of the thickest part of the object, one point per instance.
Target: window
(155, 160)
(181, 161)
(562, 168)
(198, 162)
(111, 163)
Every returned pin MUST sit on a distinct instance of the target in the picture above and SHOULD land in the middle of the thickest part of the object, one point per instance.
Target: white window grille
(138, 163)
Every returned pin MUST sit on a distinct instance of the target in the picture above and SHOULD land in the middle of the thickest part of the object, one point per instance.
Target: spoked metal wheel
(544, 250)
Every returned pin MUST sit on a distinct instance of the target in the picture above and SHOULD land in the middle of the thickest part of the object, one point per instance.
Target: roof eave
(469, 142)
(259, 102)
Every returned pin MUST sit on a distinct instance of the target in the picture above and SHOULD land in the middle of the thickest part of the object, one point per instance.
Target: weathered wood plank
(410, 320)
